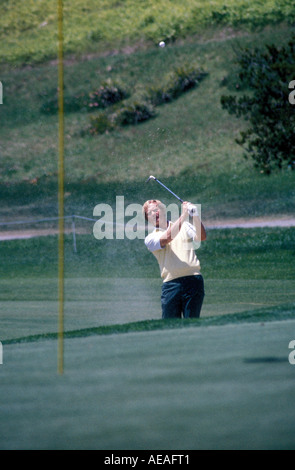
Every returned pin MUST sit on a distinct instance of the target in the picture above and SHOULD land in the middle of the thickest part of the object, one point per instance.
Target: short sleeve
(152, 241)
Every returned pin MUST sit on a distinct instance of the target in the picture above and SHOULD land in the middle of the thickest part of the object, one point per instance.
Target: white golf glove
(192, 210)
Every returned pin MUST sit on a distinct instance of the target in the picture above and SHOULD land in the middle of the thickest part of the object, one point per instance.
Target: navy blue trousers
(183, 297)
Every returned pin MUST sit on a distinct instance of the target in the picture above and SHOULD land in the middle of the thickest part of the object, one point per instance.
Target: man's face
(157, 215)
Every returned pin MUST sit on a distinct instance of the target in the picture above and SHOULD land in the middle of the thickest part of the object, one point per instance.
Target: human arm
(200, 229)
(173, 229)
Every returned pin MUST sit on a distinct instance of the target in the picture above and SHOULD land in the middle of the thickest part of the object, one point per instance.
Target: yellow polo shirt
(177, 258)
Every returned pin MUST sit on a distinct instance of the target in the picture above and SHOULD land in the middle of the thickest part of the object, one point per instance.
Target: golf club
(158, 181)
(192, 208)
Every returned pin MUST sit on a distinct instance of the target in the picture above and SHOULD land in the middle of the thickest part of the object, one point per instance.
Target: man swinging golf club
(172, 245)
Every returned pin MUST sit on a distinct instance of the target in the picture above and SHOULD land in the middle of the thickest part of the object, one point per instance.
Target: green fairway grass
(111, 282)
(220, 387)
(240, 253)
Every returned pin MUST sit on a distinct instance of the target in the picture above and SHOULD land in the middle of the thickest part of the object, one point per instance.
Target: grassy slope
(29, 28)
(190, 144)
(270, 314)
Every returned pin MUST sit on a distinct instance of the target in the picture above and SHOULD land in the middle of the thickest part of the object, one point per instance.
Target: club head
(150, 178)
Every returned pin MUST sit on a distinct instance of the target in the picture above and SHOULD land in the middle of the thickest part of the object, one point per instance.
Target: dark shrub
(266, 74)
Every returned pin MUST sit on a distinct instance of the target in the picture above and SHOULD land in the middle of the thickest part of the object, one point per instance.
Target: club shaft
(177, 197)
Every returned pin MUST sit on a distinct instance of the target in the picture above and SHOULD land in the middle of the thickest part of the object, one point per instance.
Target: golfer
(172, 245)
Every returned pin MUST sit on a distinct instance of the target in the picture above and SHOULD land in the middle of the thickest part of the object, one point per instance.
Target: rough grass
(29, 28)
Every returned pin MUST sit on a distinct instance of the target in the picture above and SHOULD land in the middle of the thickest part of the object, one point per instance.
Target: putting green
(220, 387)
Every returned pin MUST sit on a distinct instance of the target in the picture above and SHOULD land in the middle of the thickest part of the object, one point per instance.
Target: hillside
(189, 144)
(29, 30)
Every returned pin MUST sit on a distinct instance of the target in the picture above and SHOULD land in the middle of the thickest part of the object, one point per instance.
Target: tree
(266, 74)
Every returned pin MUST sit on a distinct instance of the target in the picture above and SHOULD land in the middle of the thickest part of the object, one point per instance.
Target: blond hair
(146, 205)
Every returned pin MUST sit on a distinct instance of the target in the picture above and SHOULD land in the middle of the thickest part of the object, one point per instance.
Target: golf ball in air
(162, 44)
